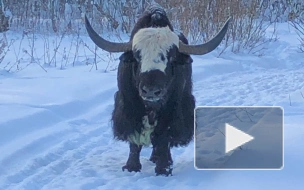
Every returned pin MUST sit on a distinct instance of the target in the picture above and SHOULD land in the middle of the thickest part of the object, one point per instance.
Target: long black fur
(175, 120)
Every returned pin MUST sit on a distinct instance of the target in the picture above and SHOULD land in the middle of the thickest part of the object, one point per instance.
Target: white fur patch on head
(152, 43)
(143, 138)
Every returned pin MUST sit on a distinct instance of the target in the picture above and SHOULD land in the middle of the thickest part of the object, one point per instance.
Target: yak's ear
(127, 57)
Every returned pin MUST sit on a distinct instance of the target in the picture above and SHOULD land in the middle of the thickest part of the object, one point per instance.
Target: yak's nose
(151, 93)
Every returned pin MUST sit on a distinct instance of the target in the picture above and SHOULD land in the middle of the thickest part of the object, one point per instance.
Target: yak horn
(207, 47)
(105, 44)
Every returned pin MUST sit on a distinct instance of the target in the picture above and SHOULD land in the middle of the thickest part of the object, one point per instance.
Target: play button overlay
(228, 138)
(235, 138)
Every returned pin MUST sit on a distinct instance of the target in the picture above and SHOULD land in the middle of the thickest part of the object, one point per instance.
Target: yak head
(156, 51)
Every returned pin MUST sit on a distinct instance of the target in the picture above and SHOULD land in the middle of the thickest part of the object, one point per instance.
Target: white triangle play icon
(235, 138)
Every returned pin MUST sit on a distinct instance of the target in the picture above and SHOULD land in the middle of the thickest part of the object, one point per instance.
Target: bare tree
(4, 18)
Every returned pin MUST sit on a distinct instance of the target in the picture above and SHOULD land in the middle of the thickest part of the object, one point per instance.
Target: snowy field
(55, 130)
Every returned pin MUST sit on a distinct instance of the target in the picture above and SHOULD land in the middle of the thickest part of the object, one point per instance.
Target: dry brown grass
(200, 20)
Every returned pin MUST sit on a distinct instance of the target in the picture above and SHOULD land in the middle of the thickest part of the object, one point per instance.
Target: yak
(154, 104)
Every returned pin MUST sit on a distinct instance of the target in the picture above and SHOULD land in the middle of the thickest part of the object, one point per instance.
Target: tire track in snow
(51, 143)
(22, 134)
(50, 115)
(99, 168)
(81, 168)
(57, 159)
(34, 147)
(55, 163)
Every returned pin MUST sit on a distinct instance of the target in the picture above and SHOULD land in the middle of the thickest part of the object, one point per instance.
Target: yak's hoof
(132, 167)
(163, 171)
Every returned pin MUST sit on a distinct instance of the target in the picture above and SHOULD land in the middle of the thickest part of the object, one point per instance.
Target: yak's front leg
(161, 155)
(133, 163)
(163, 161)
(153, 156)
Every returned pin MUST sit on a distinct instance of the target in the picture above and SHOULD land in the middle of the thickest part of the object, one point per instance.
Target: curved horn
(207, 47)
(105, 44)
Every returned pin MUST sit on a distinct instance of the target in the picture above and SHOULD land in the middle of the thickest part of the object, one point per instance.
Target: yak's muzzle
(152, 94)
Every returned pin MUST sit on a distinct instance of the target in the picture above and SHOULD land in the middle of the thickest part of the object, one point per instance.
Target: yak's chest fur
(144, 136)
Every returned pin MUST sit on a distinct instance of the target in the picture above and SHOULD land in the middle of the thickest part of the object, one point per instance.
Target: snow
(55, 129)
